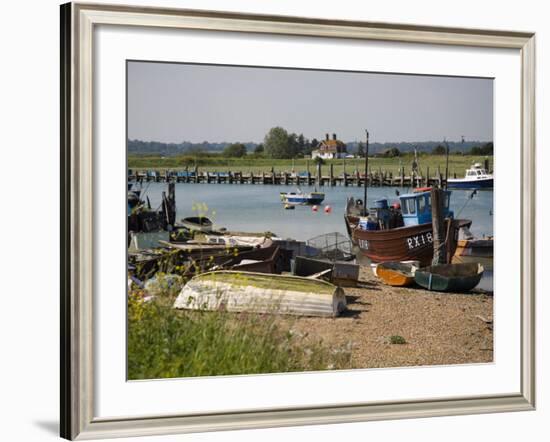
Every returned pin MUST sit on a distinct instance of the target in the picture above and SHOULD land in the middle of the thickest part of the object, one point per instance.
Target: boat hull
(450, 277)
(474, 250)
(198, 224)
(260, 293)
(404, 243)
(303, 199)
(395, 274)
(470, 184)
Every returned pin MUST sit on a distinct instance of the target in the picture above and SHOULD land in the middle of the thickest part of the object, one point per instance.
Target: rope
(470, 198)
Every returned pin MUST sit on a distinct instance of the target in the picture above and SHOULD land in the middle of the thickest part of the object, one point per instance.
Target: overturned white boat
(235, 291)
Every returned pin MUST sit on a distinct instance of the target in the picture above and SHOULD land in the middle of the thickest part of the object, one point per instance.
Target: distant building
(329, 149)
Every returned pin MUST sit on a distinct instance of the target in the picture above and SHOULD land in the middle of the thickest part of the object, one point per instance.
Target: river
(258, 208)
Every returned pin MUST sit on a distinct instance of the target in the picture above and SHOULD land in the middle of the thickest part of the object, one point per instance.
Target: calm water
(258, 208)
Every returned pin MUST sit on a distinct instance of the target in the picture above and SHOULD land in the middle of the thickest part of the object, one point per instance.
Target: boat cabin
(477, 172)
(416, 208)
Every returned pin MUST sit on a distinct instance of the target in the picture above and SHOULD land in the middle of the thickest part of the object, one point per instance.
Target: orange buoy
(328, 209)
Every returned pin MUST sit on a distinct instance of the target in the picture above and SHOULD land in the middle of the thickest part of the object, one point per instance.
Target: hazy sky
(181, 102)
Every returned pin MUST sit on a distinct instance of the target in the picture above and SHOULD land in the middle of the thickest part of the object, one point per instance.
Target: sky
(173, 102)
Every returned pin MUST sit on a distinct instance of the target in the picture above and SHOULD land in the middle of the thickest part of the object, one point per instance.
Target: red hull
(405, 243)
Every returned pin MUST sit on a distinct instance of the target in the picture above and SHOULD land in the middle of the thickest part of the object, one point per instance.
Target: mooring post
(438, 226)
(319, 176)
(172, 203)
(196, 174)
(331, 179)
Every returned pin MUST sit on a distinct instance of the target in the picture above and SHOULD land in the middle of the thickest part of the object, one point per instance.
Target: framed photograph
(275, 221)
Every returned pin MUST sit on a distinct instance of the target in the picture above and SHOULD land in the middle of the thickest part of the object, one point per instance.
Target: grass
(396, 339)
(167, 343)
(457, 164)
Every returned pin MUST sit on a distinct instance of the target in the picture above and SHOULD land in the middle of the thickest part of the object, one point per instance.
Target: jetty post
(438, 226)
(446, 163)
(365, 205)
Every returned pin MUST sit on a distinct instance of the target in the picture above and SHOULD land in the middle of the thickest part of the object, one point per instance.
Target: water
(258, 208)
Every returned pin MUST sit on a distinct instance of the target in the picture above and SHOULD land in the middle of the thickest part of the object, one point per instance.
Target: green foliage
(360, 149)
(486, 149)
(164, 343)
(235, 150)
(319, 160)
(396, 339)
(392, 152)
(279, 144)
(439, 150)
(257, 164)
(259, 149)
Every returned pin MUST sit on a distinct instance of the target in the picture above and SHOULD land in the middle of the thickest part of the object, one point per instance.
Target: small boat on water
(449, 277)
(476, 177)
(302, 198)
(238, 291)
(198, 223)
(397, 274)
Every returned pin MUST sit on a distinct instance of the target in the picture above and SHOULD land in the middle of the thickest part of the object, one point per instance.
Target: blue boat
(302, 198)
(476, 178)
(416, 208)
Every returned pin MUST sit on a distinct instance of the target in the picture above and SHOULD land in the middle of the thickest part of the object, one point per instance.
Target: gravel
(438, 328)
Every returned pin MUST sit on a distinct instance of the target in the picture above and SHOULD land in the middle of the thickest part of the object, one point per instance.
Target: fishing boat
(302, 198)
(398, 274)
(404, 231)
(474, 250)
(476, 177)
(238, 291)
(449, 277)
(198, 223)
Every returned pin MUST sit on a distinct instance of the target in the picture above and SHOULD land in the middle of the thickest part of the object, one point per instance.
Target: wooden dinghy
(397, 274)
(475, 250)
(449, 277)
(261, 293)
(198, 223)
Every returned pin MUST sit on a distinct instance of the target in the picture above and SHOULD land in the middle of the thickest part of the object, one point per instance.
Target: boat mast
(365, 212)
(447, 163)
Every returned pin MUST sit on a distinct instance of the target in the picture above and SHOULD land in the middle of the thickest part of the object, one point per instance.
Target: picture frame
(78, 205)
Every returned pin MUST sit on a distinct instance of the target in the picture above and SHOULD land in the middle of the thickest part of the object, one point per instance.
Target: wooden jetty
(374, 177)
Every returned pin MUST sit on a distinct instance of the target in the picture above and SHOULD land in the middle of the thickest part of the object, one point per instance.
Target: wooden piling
(438, 227)
(318, 177)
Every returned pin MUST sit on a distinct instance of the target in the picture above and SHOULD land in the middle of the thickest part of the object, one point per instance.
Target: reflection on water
(258, 208)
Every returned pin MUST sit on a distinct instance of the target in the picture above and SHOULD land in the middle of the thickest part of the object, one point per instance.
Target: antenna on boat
(366, 174)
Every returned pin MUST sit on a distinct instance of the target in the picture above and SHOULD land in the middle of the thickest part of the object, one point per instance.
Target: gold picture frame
(77, 389)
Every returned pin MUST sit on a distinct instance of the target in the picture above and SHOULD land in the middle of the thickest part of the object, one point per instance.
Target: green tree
(360, 149)
(439, 150)
(392, 152)
(277, 143)
(237, 150)
(259, 149)
(319, 160)
(487, 148)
